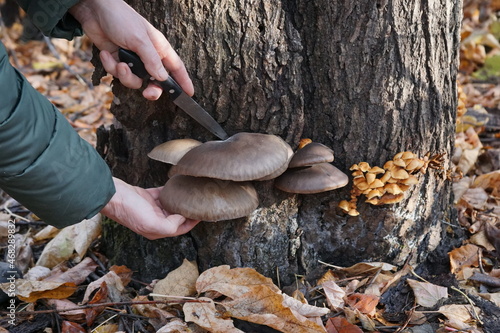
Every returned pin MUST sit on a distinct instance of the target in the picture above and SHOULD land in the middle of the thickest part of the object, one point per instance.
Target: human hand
(139, 210)
(112, 24)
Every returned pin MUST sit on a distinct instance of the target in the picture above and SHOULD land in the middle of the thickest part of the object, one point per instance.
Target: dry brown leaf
(364, 303)
(175, 326)
(475, 198)
(459, 315)
(303, 309)
(75, 238)
(205, 315)
(341, 325)
(157, 317)
(70, 327)
(232, 282)
(427, 294)
(114, 284)
(123, 272)
(264, 306)
(76, 274)
(367, 268)
(179, 282)
(490, 182)
(334, 295)
(462, 257)
(31, 291)
(46, 233)
(73, 315)
(492, 297)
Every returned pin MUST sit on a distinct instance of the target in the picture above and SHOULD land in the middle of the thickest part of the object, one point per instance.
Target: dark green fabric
(51, 17)
(44, 164)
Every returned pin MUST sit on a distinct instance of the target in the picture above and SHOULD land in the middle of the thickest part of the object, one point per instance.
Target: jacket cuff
(51, 17)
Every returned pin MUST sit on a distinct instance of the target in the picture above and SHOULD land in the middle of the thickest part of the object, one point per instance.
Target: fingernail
(162, 74)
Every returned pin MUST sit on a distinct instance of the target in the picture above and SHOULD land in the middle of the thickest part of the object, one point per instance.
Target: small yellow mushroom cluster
(387, 185)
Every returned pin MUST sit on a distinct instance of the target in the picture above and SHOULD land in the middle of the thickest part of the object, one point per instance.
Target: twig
(87, 306)
(418, 276)
(52, 49)
(471, 302)
(104, 322)
(15, 215)
(330, 265)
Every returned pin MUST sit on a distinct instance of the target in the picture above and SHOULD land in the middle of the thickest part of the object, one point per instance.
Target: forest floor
(68, 287)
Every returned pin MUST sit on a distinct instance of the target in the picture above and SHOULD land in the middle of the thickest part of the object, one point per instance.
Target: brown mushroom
(242, 157)
(314, 179)
(172, 151)
(208, 199)
(313, 153)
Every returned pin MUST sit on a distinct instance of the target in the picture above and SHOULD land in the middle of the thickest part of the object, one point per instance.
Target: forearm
(44, 164)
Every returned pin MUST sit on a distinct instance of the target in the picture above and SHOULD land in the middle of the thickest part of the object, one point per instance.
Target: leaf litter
(70, 277)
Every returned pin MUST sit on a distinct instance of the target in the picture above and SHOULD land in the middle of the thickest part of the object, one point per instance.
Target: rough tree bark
(367, 78)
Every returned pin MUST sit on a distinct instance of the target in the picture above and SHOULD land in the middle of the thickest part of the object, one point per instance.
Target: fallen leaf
(31, 291)
(113, 283)
(70, 327)
(364, 303)
(341, 325)
(492, 297)
(334, 295)
(179, 282)
(157, 317)
(205, 315)
(61, 304)
(303, 309)
(368, 268)
(73, 239)
(427, 294)
(232, 282)
(175, 326)
(459, 315)
(263, 306)
(76, 274)
(109, 328)
(464, 256)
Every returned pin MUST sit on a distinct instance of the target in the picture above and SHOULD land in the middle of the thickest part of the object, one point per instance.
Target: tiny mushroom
(172, 151)
(242, 157)
(313, 179)
(208, 199)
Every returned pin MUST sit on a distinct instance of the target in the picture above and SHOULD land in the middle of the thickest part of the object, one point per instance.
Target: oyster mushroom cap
(172, 151)
(314, 179)
(208, 199)
(313, 153)
(242, 157)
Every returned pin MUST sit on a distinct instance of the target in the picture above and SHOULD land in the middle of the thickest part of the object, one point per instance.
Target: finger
(150, 57)
(152, 92)
(183, 224)
(120, 70)
(172, 61)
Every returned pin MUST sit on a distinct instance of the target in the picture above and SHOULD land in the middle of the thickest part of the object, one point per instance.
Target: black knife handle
(137, 66)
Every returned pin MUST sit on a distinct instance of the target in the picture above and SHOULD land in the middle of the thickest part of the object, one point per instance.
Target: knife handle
(137, 66)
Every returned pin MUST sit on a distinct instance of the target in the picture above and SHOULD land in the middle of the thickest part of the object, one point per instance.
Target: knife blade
(177, 95)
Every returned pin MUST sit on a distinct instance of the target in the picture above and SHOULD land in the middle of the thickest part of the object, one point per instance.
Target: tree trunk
(367, 78)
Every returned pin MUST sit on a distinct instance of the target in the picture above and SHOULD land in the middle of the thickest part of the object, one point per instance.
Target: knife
(177, 95)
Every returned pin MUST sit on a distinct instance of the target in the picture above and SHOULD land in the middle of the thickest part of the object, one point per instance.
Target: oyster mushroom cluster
(211, 181)
(387, 185)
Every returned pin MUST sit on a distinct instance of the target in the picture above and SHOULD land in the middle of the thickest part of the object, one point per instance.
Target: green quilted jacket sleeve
(51, 17)
(44, 164)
